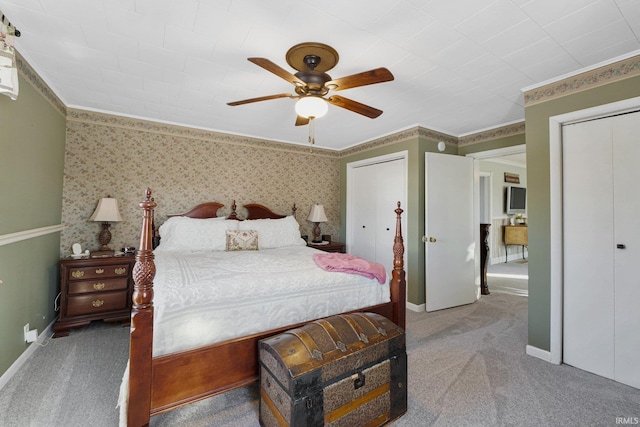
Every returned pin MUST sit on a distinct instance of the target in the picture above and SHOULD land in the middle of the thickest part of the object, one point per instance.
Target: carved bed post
(398, 282)
(141, 339)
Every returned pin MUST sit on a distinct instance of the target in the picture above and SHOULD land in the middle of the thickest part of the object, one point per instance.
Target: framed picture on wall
(513, 178)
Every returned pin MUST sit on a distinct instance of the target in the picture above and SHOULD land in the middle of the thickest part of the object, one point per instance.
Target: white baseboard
(4, 379)
(416, 307)
(539, 353)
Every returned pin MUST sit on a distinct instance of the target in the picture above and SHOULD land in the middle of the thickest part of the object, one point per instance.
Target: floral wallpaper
(120, 157)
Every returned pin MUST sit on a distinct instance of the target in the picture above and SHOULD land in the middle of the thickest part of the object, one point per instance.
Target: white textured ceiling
(459, 65)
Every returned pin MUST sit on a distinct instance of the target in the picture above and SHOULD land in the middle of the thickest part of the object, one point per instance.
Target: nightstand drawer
(95, 303)
(84, 273)
(99, 285)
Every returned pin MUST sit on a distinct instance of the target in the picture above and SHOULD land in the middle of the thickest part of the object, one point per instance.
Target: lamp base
(316, 233)
(102, 253)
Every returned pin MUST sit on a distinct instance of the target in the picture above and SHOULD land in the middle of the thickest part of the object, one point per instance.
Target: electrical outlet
(30, 335)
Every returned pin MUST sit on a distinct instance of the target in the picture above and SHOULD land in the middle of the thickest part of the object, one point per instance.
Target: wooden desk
(515, 235)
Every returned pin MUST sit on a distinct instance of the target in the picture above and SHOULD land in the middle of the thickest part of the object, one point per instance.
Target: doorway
(511, 277)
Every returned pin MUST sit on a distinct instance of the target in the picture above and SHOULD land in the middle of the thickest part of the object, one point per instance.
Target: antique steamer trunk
(346, 370)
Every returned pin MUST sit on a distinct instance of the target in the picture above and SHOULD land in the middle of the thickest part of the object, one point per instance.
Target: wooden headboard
(203, 210)
(258, 211)
(210, 210)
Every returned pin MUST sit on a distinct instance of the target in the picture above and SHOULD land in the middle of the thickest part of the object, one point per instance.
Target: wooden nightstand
(329, 247)
(94, 289)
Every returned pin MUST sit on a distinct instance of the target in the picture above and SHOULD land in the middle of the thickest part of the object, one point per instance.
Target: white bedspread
(206, 297)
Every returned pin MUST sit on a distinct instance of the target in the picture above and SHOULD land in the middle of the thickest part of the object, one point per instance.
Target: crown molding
(600, 76)
(492, 134)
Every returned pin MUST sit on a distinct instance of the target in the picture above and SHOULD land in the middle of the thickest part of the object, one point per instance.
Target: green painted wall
(31, 172)
(537, 136)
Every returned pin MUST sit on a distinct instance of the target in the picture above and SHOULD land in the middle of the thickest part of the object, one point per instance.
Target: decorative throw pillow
(242, 240)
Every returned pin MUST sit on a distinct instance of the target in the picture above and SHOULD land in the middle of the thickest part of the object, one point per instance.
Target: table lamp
(106, 212)
(317, 216)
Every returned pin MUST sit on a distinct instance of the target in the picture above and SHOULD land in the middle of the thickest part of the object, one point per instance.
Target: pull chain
(312, 130)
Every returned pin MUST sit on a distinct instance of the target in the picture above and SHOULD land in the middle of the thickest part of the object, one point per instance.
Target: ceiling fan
(311, 61)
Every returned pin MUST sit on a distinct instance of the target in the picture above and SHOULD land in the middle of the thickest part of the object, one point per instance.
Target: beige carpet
(511, 278)
(467, 367)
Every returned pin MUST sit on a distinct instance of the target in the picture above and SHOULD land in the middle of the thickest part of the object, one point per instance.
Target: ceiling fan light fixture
(311, 106)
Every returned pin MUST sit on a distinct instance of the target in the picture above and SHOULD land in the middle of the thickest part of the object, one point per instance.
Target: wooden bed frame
(166, 382)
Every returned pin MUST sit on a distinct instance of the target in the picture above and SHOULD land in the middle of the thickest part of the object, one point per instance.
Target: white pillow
(192, 234)
(275, 233)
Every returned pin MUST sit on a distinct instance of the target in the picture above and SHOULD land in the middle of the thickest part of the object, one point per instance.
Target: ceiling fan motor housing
(315, 81)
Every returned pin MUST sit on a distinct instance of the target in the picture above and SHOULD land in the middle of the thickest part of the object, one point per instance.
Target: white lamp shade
(317, 214)
(107, 211)
(311, 106)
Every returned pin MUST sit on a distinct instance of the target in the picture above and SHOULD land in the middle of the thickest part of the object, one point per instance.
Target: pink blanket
(348, 263)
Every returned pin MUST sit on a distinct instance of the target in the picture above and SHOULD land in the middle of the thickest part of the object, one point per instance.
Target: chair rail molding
(6, 239)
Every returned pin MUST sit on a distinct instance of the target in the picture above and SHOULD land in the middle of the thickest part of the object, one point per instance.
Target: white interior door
(449, 231)
(588, 241)
(626, 152)
(362, 218)
(373, 190)
(391, 185)
(601, 295)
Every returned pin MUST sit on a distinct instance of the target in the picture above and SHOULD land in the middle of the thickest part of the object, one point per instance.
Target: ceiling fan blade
(277, 70)
(262, 98)
(379, 75)
(356, 107)
(301, 121)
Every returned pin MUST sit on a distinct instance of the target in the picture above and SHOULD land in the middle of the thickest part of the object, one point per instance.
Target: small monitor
(516, 200)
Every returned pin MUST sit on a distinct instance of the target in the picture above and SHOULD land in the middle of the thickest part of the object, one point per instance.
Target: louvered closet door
(602, 247)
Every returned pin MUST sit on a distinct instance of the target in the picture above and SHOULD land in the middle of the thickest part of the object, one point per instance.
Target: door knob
(426, 239)
(620, 246)
(432, 239)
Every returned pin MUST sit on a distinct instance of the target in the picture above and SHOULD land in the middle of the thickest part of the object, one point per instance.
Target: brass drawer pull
(76, 274)
(120, 270)
(98, 286)
(97, 303)
(99, 270)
